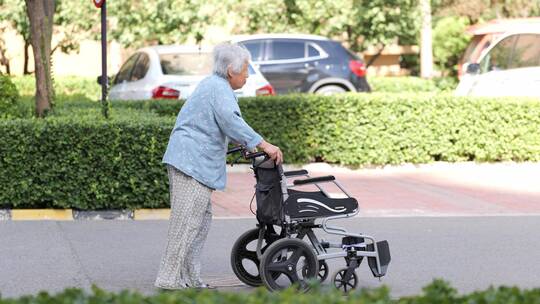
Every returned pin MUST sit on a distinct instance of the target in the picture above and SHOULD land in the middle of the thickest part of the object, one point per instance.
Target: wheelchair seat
(302, 204)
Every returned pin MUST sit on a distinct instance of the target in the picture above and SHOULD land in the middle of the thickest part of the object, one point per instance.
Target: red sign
(98, 3)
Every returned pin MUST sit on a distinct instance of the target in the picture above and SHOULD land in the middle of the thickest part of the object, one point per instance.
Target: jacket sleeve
(230, 121)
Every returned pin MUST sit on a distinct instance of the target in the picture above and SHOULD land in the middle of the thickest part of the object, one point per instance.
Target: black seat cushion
(315, 204)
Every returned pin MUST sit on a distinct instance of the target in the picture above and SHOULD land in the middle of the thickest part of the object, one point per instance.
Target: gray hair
(229, 55)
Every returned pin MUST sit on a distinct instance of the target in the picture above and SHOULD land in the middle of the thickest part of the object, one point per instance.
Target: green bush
(72, 93)
(86, 162)
(449, 43)
(437, 292)
(63, 85)
(411, 84)
(83, 163)
(9, 97)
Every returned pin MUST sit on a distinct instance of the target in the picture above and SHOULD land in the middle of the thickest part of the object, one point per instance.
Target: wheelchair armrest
(295, 173)
(314, 180)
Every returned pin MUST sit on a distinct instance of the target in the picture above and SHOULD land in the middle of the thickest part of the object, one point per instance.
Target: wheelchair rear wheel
(244, 261)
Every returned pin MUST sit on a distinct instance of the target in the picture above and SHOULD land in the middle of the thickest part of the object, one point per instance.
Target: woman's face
(237, 81)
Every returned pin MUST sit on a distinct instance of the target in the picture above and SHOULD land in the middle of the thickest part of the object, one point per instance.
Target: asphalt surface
(470, 252)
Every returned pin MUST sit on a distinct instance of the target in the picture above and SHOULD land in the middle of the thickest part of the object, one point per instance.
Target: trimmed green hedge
(411, 84)
(379, 129)
(437, 292)
(85, 162)
(9, 97)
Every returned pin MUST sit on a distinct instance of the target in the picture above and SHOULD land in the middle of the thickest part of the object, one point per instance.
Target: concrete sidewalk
(439, 189)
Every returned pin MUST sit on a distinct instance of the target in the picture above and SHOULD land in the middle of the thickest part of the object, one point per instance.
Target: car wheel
(330, 90)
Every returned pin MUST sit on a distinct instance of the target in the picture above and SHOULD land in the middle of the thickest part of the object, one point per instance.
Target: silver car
(173, 72)
(510, 67)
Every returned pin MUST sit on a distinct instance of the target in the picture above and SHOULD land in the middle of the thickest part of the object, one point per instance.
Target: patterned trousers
(191, 215)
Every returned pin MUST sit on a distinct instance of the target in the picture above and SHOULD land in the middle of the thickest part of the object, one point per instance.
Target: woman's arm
(230, 121)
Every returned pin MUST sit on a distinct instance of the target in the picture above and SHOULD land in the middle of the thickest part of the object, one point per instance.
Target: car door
(118, 88)
(284, 65)
(494, 70)
(523, 75)
(135, 87)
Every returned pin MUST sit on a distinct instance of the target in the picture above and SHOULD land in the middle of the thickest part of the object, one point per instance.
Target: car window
(255, 49)
(186, 63)
(251, 70)
(140, 69)
(312, 51)
(471, 47)
(499, 56)
(125, 70)
(526, 52)
(281, 49)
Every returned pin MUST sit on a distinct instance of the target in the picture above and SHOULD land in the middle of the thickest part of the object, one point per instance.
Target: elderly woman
(195, 160)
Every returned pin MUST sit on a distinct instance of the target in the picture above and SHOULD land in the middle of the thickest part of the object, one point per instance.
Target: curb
(151, 214)
(41, 214)
(103, 215)
(70, 214)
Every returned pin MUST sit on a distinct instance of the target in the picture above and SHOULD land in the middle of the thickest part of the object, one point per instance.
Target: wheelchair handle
(246, 154)
(255, 155)
(235, 149)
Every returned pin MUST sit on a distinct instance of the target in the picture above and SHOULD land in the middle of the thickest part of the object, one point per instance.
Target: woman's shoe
(205, 286)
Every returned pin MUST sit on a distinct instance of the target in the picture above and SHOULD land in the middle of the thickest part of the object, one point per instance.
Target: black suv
(306, 63)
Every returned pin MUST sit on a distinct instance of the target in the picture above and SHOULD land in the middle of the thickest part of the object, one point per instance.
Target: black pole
(104, 79)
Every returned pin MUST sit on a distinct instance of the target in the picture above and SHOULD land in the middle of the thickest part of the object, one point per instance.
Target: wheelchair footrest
(383, 252)
(352, 241)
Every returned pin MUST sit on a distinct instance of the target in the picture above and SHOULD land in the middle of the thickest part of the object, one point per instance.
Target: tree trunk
(41, 13)
(372, 59)
(4, 61)
(426, 49)
(26, 57)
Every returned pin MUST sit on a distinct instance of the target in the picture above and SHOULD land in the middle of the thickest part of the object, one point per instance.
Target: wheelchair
(282, 258)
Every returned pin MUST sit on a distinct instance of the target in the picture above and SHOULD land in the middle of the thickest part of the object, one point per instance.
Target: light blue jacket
(206, 122)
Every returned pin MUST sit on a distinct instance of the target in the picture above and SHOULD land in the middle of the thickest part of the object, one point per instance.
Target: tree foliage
(73, 22)
(449, 42)
(360, 23)
(482, 10)
(137, 23)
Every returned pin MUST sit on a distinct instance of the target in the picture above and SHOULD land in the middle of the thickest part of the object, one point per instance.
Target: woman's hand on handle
(272, 151)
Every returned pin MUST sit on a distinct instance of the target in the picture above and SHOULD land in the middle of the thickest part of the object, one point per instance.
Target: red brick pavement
(436, 189)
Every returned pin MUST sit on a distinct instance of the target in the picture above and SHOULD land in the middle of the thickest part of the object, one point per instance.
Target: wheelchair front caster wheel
(323, 271)
(341, 282)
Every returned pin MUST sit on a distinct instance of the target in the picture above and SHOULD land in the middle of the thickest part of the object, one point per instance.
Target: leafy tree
(480, 10)
(138, 23)
(264, 16)
(359, 23)
(449, 43)
(14, 11)
(73, 23)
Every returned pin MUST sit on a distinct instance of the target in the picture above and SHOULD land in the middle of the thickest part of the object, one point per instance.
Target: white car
(510, 67)
(173, 72)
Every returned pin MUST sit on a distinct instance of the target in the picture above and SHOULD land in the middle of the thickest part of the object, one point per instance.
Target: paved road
(471, 252)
